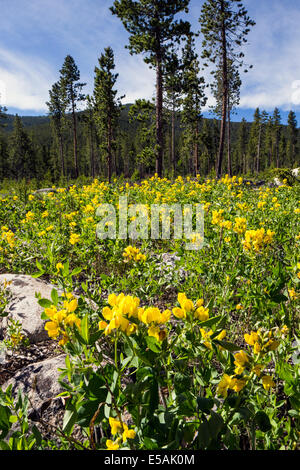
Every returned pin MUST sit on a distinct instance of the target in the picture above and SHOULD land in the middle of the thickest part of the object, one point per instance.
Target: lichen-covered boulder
(23, 305)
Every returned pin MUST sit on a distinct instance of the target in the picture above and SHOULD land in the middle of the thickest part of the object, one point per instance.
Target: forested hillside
(29, 147)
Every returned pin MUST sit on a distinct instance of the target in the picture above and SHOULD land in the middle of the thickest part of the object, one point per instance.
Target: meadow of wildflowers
(208, 361)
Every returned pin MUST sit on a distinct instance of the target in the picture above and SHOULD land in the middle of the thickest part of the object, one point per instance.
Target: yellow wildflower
(111, 445)
(267, 382)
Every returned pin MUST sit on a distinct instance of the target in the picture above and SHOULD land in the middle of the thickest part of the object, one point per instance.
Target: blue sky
(36, 35)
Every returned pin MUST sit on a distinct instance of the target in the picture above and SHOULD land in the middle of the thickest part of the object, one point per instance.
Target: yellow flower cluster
(117, 317)
(8, 236)
(126, 307)
(118, 427)
(293, 294)
(61, 320)
(74, 238)
(240, 225)
(256, 240)
(187, 306)
(261, 342)
(217, 217)
(230, 382)
(133, 253)
(28, 217)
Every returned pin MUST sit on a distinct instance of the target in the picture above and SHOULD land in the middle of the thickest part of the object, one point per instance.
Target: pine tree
(193, 101)
(153, 30)
(57, 106)
(224, 25)
(21, 155)
(4, 168)
(89, 123)
(277, 134)
(283, 149)
(233, 99)
(254, 143)
(292, 138)
(143, 112)
(107, 107)
(3, 115)
(242, 144)
(269, 144)
(173, 90)
(207, 150)
(72, 89)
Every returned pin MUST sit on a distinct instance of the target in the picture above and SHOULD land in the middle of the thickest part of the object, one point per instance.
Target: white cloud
(26, 81)
(36, 40)
(273, 51)
(136, 80)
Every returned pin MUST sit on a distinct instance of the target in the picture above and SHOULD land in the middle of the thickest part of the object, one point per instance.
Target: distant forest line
(28, 147)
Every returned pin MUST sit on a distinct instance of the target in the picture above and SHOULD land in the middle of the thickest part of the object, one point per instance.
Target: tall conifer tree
(225, 25)
(292, 138)
(194, 98)
(57, 106)
(153, 30)
(107, 106)
(69, 80)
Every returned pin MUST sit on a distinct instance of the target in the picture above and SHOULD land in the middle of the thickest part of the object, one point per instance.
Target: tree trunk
(109, 140)
(75, 140)
(229, 144)
(224, 100)
(277, 152)
(196, 149)
(159, 111)
(173, 142)
(61, 151)
(258, 150)
(92, 153)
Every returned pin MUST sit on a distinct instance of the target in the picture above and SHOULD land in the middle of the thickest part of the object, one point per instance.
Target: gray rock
(23, 305)
(45, 190)
(39, 382)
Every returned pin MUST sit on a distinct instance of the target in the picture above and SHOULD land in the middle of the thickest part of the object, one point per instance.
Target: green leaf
(4, 446)
(242, 414)
(4, 420)
(76, 271)
(227, 345)
(204, 436)
(293, 413)
(211, 321)
(205, 404)
(39, 266)
(154, 396)
(69, 420)
(38, 274)
(37, 435)
(215, 424)
(65, 271)
(45, 303)
(13, 419)
(54, 296)
(94, 337)
(153, 344)
(85, 329)
(150, 444)
(86, 412)
(263, 422)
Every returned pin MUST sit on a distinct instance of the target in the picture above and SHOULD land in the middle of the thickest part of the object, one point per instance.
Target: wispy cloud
(36, 39)
(273, 51)
(25, 81)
